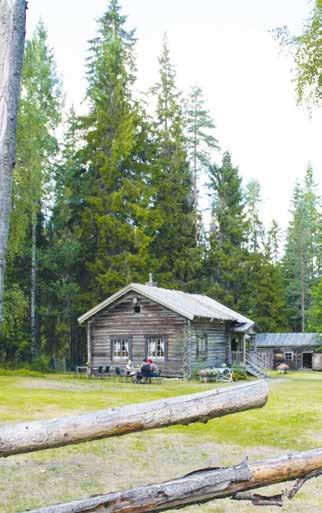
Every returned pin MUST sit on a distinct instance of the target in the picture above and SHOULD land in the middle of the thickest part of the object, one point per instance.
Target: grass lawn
(291, 421)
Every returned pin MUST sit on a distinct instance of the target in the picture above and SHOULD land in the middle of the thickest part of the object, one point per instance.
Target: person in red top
(154, 368)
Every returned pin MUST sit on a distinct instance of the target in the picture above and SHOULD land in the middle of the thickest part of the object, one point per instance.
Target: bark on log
(197, 487)
(37, 435)
(12, 38)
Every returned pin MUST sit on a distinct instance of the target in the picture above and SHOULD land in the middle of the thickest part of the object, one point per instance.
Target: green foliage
(255, 228)
(174, 243)
(119, 198)
(306, 49)
(38, 117)
(115, 219)
(302, 258)
(14, 339)
(314, 313)
(200, 144)
(226, 256)
(21, 372)
(239, 374)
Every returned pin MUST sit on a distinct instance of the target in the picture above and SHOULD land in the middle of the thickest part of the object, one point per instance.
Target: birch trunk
(302, 290)
(201, 486)
(37, 435)
(34, 347)
(12, 37)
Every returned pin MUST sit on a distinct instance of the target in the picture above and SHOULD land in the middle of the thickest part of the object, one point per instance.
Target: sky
(225, 47)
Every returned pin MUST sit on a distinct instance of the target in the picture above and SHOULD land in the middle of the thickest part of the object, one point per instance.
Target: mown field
(291, 421)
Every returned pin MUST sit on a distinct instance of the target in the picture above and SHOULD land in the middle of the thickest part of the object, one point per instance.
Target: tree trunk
(33, 313)
(302, 290)
(12, 37)
(201, 486)
(37, 435)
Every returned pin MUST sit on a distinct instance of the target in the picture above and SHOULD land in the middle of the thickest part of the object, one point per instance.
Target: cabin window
(137, 309)
(156, 347)
(288, 356)
(120, 348)
(202, 346)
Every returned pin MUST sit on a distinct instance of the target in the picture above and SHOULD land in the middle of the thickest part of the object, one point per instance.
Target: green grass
(291, 420)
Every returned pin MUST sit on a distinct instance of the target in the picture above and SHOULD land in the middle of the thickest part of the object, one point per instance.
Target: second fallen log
(37, 435)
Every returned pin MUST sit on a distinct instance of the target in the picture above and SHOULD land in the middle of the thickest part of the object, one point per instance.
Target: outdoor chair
(107, 370)
(99, 372)
(117, 373)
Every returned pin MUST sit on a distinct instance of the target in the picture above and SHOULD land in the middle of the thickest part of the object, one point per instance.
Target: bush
(21, 372)
(239, 373)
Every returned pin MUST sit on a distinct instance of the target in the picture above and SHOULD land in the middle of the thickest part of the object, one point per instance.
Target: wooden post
(204, 485)
(244, 348)
(89, 346)
(37, 435)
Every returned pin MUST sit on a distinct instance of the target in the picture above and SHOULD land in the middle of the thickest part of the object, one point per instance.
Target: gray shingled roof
(187, 305)
(287, 339)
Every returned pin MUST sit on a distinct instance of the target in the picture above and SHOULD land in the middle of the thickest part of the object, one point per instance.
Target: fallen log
(36, 435)
(204, 485)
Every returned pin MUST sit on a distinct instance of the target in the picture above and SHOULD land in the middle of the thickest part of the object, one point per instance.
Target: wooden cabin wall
(153, 319)
(217, 343)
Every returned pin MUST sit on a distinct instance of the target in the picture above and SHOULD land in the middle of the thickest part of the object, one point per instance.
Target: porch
(243, 353)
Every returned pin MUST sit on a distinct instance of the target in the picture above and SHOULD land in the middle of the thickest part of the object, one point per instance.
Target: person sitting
(154, 372)
(129, 369)
(145, 369)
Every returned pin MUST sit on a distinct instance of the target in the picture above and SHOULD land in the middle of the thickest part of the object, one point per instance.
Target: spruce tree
(255, 226)
(174, 243)
(62, 259)
(227, 257)
(115, 218)
(302, 259)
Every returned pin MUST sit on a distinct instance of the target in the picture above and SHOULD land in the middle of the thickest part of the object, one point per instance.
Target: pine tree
(115, 218)
(174, 244)
(200, 143)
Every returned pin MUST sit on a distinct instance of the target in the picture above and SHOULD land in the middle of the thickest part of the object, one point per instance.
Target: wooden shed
(295, 349)
(181, 332)
(317, 361)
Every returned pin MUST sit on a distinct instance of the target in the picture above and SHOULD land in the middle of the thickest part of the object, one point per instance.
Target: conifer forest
(103, 198)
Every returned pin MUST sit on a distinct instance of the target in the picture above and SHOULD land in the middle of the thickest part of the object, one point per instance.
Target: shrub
(21, 372)
(239, 373)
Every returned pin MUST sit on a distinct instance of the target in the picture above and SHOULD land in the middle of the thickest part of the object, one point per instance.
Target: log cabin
(182, 332)
(297, 350)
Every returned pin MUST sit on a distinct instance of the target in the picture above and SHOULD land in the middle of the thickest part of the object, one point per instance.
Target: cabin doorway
(236, 350)
(307, 360)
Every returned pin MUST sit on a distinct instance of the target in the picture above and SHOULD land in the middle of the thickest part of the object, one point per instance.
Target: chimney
(151, 283)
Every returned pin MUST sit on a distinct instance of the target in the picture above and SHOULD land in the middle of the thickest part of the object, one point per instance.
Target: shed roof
(187, 305)
(287, 339)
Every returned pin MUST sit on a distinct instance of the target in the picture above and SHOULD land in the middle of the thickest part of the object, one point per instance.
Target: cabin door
(307, 360)
(236, 349)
